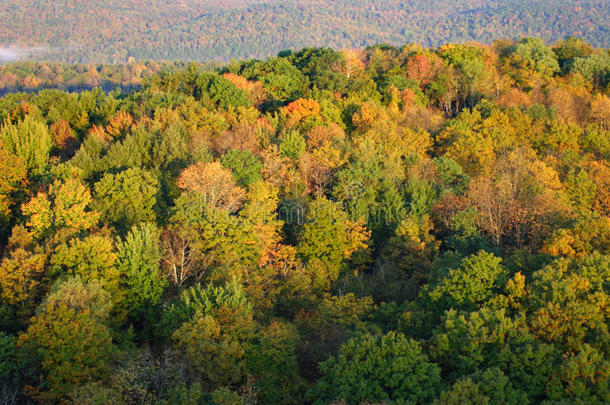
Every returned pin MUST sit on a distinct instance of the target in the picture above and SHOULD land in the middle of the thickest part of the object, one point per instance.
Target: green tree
(366, 192)
(201, 299)
(565, 312)
(327, 239)
(221, 91)
(530, 59)
(375, 369)
(63, 211)
(322, 66)
(292, 145)
(30, 140)
(469, 63)
(139, 262)
(584, 376)
(127, 198)
(214, 340)
(70, 336)
(569, 49)
(92, 257)
(246, 167)
(482, 388)
(537, 56)
(222, 246)
(478, 278)
(13, 181)
(466, 342)
(595, 68)
(12, 372)
(283, 81)
(272, 360)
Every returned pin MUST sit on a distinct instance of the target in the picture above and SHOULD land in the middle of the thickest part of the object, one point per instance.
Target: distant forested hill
(114, 30)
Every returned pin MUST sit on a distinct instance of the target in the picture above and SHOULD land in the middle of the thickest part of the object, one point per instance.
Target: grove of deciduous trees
(378, 226)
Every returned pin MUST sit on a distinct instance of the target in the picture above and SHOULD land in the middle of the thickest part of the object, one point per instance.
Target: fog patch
(15, 53)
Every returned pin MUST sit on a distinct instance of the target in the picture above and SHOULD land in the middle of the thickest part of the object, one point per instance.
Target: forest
(112, 31)
(30, 76)
(388, 225)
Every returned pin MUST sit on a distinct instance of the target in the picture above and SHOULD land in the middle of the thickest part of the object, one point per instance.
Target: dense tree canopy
(387, 225)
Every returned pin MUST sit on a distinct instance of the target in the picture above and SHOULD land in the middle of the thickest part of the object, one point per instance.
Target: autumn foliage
(386, 225)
